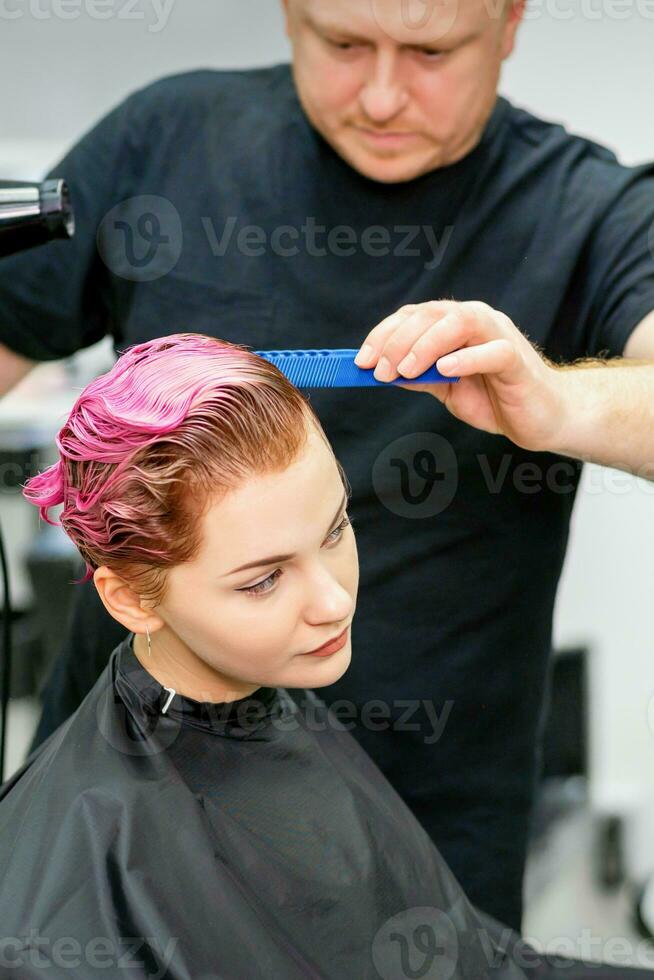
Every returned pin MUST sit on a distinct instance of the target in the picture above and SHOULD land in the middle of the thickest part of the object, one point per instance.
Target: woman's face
(238, 628)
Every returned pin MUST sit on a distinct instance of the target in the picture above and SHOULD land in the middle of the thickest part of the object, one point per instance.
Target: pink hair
(175, 423)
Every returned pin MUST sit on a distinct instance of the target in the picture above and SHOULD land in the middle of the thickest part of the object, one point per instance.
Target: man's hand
(506, 386)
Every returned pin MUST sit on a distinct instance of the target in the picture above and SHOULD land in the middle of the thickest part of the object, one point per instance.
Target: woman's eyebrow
(277, 558)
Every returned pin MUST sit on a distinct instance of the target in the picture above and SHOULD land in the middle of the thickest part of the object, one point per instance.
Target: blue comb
(335, 369)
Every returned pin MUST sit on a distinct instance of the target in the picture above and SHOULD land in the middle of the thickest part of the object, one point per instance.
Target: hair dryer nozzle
(32, 214)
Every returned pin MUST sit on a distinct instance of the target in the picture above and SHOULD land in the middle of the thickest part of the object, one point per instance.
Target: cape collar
(238, 719)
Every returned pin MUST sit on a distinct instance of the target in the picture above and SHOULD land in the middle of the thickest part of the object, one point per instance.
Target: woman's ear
(122, 603)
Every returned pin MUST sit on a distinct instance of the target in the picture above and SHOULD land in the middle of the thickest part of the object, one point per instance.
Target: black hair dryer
(31, 214)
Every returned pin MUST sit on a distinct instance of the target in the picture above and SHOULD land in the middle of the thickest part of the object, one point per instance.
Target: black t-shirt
(238, 220)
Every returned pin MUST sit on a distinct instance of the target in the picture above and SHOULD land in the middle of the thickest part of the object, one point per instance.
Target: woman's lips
(332, 647)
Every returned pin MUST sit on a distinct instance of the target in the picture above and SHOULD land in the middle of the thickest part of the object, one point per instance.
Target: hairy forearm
(608, 414)
(13, 368)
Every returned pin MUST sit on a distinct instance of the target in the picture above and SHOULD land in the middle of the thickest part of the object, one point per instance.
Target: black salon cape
(243, 841)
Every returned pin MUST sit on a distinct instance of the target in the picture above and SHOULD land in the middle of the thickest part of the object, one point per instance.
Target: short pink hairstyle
(175, 424)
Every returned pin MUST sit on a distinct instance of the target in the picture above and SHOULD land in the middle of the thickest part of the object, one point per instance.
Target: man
(288, 210)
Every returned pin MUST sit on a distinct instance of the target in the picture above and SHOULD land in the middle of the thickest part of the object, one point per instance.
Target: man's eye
(342, 45)
(431, 54)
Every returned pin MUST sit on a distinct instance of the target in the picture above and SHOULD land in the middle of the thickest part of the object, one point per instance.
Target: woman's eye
(339, 530)
(259, 588)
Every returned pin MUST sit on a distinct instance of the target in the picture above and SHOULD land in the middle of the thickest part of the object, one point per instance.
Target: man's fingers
(378, 337)
(415, 336)
(423, 347)
(494, 357)
(375, 340)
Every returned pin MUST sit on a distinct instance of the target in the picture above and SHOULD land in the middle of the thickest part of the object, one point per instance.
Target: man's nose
(383, 95)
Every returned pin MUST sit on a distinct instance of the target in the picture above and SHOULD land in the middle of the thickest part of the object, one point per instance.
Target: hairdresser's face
(254, 626)
(399, 87)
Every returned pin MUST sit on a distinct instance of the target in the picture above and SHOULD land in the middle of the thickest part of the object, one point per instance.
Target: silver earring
(149, 641)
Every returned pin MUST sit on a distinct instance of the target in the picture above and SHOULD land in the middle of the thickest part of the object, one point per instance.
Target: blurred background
(587, 65)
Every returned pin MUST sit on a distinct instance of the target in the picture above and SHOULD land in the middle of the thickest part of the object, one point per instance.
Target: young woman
(202, 815)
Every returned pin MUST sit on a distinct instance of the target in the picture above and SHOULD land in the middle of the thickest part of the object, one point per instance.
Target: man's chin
(386, 169)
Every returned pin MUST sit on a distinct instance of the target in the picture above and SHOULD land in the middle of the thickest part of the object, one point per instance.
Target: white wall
(586, 63)
(66, 73)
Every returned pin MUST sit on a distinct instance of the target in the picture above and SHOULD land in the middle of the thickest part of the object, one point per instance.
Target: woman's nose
(328, 601)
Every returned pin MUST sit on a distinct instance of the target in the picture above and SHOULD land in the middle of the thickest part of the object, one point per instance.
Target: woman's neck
(184, 672)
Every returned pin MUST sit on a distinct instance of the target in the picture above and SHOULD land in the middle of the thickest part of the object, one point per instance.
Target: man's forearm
(13, 368)
(609, 412)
